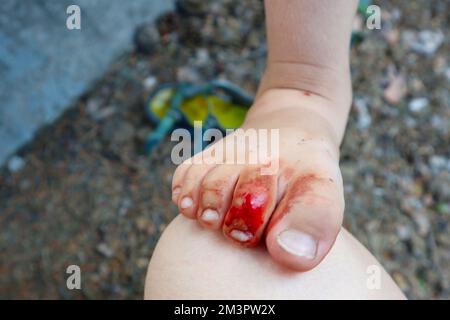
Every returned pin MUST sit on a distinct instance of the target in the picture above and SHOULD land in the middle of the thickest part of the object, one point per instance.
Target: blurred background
(77, 188)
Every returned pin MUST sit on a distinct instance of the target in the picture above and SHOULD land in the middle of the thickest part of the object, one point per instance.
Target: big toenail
(186, 202)
(298, 243)
(240, 236)
(210, 215)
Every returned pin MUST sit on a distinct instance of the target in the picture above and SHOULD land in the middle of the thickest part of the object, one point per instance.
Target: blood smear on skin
(247, 211)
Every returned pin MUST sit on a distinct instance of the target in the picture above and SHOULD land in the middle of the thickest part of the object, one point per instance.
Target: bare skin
(306, 94)
(191, 263)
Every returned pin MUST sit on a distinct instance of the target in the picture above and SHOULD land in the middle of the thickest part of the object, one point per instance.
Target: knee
(190, 262)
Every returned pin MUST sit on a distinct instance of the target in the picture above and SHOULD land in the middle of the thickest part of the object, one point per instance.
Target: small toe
(188, 197)
(216, 192)
(177, 180)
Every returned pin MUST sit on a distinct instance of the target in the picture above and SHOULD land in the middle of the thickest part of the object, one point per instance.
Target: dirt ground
(83, 192)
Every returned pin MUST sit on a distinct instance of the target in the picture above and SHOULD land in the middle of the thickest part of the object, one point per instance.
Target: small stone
(422, 222)
(425, 42)
(16, 164)
(411, 205)
(364, 118)
(417, 84)
(149, 83)
(404, 232)
(202, 57)
(439, 123)
(142, 223)
(400, 280)
(439, 65)
(447, 73)
(418, 104)
(392, 36)
(188, 74)
(440, 187)
(146, 39)
(125, 205)
(142, 263)
(105, 250)
(92, 106)
(96, 110)
(396, 90)
(348, 188)
(104, 113)
(438, 163)
(410, 122)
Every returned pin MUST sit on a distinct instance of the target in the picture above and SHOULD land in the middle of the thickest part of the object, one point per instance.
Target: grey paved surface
(44, 66)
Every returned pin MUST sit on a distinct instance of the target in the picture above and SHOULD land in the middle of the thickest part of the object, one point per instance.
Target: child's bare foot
(298, 210)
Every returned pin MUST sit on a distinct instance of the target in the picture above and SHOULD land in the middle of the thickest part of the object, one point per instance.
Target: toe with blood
(246, 217)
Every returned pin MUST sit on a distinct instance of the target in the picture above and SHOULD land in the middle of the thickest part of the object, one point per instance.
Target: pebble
(418, 104)
(400, 280)
(125, 205)
(149, 83)
(439, 163)
(142, 263)
(425, 42)
(404, 232)
(440, 186)
(188, 74)
(143, 223)
(104, 113)
(96, 110)
(146, 38)
(105, 250)
(439, 123)
(422, 222)
(202, 57)
(396, 90)
(447, 74)
(16, 164)
(392, 36)
(417, 85)
(410, 122)
(364, 118)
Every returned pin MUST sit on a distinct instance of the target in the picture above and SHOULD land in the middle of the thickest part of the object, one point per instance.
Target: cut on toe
(253, 201)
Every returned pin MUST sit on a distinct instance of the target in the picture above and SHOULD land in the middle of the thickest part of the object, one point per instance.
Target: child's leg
(305, 94)
(308, 50)
(191, 263)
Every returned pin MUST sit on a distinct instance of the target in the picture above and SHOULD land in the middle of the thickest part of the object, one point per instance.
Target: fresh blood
(248, 209)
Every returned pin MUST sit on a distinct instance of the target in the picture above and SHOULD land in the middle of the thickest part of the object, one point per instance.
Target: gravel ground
(84, 193)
